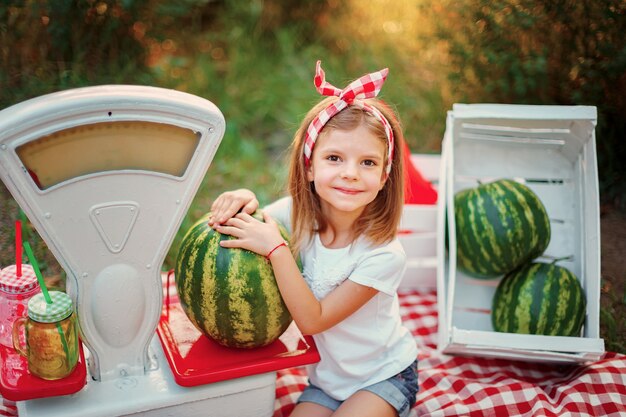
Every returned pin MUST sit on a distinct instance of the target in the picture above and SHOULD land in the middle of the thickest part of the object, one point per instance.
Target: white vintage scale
(106, 175)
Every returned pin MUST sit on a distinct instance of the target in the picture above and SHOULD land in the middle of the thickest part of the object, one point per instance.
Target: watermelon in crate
(229, 294)
(539, 298)
(499, 226)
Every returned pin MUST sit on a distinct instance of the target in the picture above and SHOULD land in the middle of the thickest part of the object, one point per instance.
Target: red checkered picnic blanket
(479, 387)
(7, 408)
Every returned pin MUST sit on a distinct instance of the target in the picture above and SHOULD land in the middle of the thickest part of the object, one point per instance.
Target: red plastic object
(17, 384)
(417, 189)
(195, 359)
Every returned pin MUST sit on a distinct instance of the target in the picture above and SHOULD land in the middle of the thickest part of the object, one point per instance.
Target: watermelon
(539, 298)
(499, 226)
(229, 294)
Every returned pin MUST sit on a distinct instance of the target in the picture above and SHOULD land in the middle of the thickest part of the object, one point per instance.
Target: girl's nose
(350, 171)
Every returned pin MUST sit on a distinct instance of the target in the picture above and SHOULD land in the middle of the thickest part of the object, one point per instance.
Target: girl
(345, 185)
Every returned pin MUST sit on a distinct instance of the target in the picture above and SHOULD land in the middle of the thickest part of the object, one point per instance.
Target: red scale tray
(195, 359)
(18, 384)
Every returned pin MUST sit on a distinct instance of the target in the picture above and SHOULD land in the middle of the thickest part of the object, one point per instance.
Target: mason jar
(51, 336)
(14, 295)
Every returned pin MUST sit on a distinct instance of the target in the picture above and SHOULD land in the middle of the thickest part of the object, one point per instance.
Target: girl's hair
(381, 217)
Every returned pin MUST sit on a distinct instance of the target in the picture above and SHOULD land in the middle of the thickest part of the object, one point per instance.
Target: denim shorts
(400, 391)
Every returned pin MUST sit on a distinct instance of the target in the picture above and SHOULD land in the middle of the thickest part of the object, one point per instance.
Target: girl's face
(347, 170)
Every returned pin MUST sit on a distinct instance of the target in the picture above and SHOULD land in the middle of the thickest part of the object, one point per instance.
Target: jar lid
(60, 308)
(10, 283)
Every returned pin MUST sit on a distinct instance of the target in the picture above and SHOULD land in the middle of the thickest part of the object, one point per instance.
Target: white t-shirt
(372, 344)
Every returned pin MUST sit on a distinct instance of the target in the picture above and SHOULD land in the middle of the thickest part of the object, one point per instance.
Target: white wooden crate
(551, 149)
(418, 231)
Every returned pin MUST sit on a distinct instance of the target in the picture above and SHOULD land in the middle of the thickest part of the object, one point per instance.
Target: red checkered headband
(367, 86)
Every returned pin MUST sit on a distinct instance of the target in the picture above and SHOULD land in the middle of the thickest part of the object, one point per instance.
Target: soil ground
(613, 266)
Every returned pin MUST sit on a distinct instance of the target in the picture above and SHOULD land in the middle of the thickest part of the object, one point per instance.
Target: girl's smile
(347, 191)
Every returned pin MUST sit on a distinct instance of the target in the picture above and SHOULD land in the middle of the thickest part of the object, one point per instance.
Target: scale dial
(108, 146)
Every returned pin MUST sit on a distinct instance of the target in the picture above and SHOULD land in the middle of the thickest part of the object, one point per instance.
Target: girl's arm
(311, 316)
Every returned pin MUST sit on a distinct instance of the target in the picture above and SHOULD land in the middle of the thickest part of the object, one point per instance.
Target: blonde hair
(380, 219)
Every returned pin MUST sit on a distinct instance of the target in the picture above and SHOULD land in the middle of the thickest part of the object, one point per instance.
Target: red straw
(18, 248)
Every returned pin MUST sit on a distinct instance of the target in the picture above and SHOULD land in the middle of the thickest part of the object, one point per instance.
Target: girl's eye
(333, 158)
(369, 163)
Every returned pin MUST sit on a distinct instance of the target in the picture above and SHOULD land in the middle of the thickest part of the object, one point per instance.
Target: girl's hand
(251, 234)
(227, 204)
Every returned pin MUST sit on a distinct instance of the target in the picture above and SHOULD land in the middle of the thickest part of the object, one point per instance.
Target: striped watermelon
(230, 295)
(499, 226)
(539, 298)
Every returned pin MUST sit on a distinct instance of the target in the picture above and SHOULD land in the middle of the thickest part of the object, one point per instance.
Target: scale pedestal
(157, 394)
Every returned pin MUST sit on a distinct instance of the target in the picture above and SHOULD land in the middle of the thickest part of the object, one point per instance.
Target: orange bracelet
(276, 247)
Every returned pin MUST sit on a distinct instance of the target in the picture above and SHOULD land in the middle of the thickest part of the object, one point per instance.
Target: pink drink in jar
(14, 295)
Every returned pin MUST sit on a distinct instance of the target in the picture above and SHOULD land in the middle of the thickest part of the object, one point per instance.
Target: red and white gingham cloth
(7, 408)
(479, 387)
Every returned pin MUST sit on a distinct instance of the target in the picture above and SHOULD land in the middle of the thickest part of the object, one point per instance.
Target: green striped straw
(44, 290)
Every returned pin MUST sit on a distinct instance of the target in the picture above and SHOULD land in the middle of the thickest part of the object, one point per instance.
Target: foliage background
(254, 59)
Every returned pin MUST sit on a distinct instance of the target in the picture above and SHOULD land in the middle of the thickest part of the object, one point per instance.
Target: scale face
(108, 146)
(106, 175)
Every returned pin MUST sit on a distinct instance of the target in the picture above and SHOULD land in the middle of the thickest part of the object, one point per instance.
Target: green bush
(545, 52)
(49, 46)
